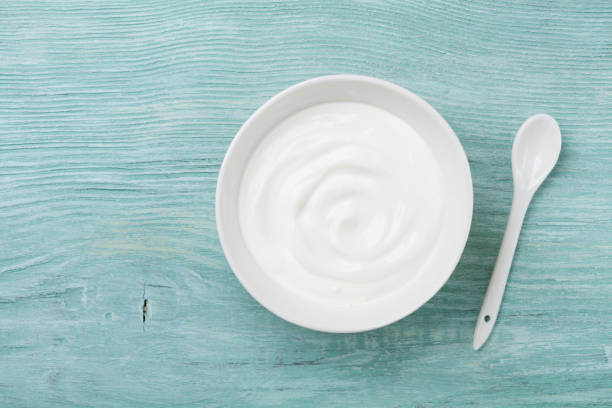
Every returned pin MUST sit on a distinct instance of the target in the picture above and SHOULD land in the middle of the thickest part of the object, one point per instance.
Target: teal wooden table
(114, 119)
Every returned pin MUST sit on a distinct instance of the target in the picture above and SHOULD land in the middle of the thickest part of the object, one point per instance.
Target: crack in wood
(144, 311)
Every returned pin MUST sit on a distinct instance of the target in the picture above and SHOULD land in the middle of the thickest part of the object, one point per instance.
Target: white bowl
(457, 212)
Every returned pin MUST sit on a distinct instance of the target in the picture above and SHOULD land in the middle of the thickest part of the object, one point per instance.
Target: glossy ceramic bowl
(456, 213)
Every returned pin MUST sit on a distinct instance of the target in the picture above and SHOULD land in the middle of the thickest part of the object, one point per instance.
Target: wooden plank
(114, 119)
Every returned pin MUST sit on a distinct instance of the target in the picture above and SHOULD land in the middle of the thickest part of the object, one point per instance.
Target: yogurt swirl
(341, 202)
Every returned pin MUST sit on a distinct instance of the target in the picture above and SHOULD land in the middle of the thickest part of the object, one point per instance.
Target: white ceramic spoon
(535, 151)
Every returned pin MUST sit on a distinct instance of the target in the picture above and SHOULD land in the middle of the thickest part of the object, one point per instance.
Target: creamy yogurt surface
(341, 202)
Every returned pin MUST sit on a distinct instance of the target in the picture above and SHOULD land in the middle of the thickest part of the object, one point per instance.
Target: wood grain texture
(114, 119)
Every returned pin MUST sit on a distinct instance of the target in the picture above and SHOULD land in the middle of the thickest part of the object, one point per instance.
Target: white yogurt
(341, 202)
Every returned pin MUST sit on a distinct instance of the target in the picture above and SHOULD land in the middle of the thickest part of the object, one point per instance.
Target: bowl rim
(225, 244)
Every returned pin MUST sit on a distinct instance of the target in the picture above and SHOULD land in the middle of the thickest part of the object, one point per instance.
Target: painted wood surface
(114, 119)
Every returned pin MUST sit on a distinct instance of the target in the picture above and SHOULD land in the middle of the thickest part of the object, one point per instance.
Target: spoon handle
(497, 285)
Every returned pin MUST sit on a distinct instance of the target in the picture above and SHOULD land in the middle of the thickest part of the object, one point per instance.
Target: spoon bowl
(535, 151)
